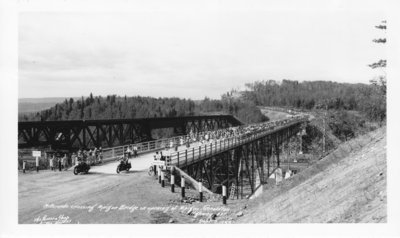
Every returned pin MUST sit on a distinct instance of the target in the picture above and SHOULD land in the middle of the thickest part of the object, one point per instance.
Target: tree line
(370, 99)
(117, 107)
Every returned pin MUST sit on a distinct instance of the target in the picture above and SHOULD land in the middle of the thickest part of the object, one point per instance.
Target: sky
(194, 51)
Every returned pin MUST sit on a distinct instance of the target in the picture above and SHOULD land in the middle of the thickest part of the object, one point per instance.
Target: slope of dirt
(274, 115)
(347, 186)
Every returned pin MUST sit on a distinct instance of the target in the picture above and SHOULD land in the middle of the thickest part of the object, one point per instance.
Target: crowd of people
(59, 161)
(89, 156)
(94, 156)
(210, 137)
(239, 131)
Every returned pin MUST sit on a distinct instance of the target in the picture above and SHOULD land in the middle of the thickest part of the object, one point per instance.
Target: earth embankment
(349, 185)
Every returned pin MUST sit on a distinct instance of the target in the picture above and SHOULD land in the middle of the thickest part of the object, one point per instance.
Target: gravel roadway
(101, 196)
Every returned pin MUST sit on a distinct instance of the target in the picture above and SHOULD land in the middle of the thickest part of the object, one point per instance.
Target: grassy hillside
(349, 185)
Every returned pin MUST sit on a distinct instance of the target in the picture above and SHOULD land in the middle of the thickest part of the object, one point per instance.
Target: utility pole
(301, 141)
(288, 154)
(324, 135)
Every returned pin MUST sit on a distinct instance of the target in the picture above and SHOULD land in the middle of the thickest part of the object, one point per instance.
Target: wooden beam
(191, 181)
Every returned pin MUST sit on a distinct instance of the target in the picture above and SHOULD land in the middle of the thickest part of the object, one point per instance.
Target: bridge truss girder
(114, 132)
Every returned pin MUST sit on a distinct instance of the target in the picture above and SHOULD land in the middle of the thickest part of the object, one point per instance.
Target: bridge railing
(143, 147)
(113, 153)
(189, 156)
(204, 150)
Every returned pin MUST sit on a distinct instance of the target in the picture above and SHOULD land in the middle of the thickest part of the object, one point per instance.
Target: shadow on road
(122, 173)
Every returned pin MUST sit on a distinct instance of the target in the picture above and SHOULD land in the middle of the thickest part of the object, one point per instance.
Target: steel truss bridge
(75, 134)
(243, 163)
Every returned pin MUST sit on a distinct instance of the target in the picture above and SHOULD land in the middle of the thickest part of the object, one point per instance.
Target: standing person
(158, 156)
(51, 162)
(135, 151)
(74, 159)
(90, 153)
(59, 163)
(95, 155)
(79, 153)
(129, 152)
(187, 142)
(37, 164)
(85, 155)
(155, 166)
(100, 154)
(64, 161)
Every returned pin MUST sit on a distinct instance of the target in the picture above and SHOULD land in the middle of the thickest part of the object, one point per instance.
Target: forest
(367, 99)
(113, 106)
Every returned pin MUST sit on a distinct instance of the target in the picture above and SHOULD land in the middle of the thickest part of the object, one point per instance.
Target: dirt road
(102, 196)
(52, 194)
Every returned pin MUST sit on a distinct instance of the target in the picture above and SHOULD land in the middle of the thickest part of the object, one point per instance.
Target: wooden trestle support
(246, 167)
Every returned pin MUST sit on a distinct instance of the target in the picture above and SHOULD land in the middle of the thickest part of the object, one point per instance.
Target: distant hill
(27, 105)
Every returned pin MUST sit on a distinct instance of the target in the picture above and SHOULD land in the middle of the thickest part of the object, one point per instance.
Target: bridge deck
(194, 154)
(184, 156)
(142, 162)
